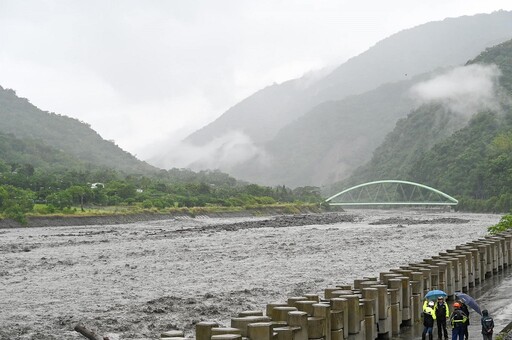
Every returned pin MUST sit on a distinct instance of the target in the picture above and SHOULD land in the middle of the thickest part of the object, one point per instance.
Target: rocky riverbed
(135, 280)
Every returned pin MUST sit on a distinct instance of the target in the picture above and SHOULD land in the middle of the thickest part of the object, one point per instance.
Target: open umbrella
(468, 300)
(434, 294)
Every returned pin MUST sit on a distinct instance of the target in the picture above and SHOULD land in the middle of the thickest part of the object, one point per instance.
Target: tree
(61, 199)
(15, 203)
(79, 193)
(121, 189)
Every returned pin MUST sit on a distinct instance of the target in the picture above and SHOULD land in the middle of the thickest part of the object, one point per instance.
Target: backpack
(458, 318)
(487, 324)
(458, 315)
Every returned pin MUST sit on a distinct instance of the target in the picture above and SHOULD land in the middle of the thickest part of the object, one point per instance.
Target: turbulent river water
(133, 281)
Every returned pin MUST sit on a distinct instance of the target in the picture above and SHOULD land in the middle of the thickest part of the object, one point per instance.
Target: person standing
(458, 321)
(442, 313)
(429, 317)
(465, 309)
(487, 325)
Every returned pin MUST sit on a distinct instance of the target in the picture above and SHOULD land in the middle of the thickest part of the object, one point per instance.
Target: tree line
(24, 188)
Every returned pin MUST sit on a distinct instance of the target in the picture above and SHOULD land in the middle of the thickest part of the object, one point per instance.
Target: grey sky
(141, 72)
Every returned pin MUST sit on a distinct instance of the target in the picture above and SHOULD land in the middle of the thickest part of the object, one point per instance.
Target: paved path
(495, 295)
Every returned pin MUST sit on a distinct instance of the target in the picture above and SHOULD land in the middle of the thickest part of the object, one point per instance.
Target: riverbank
(125, 218)
(506, 333)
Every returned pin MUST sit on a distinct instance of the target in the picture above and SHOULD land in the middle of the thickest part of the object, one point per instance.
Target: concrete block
(227, 337)
(241, 323)
(260, 331)
(204, 330)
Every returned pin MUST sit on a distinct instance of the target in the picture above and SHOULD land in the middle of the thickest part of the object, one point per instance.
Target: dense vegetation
(471, 161)
(55, 164)
(26, 190)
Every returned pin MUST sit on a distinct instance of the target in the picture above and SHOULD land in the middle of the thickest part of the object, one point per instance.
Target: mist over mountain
(316, 130)
(459, 140)
(332, 141)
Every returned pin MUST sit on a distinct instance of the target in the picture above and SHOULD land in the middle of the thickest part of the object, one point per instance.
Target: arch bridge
(391, 192)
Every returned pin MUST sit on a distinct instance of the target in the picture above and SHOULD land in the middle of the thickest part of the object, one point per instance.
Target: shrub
(504, 224)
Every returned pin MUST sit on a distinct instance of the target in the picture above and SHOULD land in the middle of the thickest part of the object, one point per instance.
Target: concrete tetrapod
(372, 308)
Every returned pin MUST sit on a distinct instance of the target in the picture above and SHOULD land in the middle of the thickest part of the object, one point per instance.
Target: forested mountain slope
(259, 116)
(29, 154)
(332, 139)
(473, 161)
(401, 57)
(60, 138)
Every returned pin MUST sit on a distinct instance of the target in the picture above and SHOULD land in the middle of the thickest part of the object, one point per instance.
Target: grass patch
(257, 209)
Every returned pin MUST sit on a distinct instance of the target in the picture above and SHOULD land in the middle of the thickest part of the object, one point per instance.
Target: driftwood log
(80, 328)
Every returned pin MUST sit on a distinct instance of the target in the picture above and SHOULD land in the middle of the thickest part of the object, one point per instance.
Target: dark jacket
(442, 311)
(458, 318)
(487, 323)
(465, 309)
(428, 316)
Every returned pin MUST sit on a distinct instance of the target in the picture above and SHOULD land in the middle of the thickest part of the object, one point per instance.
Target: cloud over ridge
(464, 90)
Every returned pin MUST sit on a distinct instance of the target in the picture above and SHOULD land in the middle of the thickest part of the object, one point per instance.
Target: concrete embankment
(383, 307)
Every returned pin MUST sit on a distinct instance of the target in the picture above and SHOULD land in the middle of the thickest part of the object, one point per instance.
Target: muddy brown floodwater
(133, 281)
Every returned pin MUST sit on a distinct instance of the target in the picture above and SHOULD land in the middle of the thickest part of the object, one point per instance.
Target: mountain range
(318, 129)
(407, 108)
(465, 153)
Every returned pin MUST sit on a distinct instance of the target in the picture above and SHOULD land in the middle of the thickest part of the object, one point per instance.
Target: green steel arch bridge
(391, 192)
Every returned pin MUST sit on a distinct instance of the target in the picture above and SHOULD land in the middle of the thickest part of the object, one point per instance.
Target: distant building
(97, 185)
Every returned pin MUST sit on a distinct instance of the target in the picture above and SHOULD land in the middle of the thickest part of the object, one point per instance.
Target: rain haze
(148, 73)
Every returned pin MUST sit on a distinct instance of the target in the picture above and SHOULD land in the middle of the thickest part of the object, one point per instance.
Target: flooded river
(135, 280)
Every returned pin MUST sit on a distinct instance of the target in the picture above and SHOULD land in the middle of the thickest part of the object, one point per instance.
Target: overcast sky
(140, 72)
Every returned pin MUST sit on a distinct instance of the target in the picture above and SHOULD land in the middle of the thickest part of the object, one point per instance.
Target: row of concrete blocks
(373, 307)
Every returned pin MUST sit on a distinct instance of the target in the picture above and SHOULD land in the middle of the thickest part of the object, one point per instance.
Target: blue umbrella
(468, 300)
(434, 294)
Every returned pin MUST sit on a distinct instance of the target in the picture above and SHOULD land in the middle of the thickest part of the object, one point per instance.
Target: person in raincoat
(442, 315)
(429, 316)
(458, 320)
(465, 309)
(487, 325)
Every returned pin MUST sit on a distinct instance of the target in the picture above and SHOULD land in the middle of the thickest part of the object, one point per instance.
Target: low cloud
(465, 90)
(222, 153)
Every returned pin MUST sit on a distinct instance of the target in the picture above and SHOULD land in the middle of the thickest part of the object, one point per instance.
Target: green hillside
(472, 163)
(67, 139)
(27, 152)
(52, 164)
(464, 163)
(407, 143)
